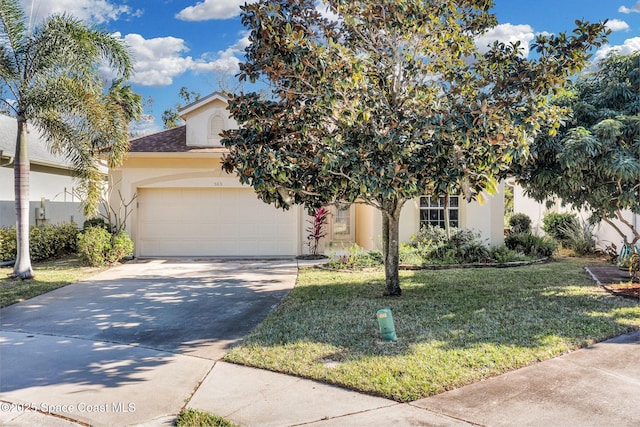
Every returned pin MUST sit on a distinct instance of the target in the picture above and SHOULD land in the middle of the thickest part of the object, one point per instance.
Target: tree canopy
(593, 162)
(170, 116)
(381, 102)
(49, 78)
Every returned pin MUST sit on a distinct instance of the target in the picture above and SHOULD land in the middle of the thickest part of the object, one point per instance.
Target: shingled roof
(168, 141)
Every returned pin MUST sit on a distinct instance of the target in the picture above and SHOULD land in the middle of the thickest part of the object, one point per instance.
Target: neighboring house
(51, 181)
(188, 206)
(605, 234)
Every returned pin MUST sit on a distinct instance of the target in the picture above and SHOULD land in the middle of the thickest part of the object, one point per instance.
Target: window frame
(429, 209)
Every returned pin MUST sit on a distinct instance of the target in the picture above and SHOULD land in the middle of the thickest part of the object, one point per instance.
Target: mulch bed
(615, 280)
(629, 290)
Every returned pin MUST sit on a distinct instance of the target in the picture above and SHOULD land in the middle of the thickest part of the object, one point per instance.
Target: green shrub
(531, 245)
(503, 254)
(121, 246)
(8, 243)
(95, 222)
(52, 240)
(357, 257)
(45, 241)
(462, 246)
(409, 255)
(67, 238)
(520, 223)
(560, 225)
(579, 238)
(99, 247)
(42, 243)
(94, 244)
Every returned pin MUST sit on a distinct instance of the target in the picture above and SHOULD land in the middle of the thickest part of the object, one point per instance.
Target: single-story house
(188, 206)
(51, 181)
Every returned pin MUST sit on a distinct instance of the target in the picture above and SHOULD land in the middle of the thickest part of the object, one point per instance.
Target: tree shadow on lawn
(453, 326)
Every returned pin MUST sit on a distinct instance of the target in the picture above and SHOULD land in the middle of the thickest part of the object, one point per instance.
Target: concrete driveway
(130, 345)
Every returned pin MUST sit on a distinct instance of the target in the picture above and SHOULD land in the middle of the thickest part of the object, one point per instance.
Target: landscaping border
(443, 266)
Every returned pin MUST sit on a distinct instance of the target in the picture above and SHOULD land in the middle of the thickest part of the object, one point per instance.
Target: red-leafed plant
(317, 229)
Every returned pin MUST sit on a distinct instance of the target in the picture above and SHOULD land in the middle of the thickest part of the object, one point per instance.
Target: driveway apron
(129, 345)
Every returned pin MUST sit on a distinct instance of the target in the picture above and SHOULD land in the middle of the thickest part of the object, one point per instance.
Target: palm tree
(50, 77)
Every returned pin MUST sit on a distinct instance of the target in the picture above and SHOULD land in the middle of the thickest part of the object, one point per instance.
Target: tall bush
(99, 247)
(520, 223)
(93, 245)
(121, 246)
(560, 226)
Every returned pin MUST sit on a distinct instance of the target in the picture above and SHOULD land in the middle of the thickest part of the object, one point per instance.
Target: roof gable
(203, 102)
(205, 120)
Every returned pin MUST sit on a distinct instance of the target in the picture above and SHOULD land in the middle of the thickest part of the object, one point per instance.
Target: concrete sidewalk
(71, 367)
(595, 386)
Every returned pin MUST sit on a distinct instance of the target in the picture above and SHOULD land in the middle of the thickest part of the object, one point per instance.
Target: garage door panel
(212, 222)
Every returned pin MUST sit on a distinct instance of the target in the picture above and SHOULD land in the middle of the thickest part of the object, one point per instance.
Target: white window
(432, 211)
(342, 224)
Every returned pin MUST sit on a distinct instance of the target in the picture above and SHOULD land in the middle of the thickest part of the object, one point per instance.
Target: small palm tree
(49, 77)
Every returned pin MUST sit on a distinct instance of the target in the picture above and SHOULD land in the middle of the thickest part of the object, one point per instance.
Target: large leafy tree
(593, 162)
(50, 80)
(387, 100)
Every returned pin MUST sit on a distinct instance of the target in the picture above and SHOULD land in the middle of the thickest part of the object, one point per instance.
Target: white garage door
(212, 222)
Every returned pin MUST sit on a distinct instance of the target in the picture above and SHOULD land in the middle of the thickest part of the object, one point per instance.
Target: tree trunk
(634, 232)
(391, 250)
(21, 169)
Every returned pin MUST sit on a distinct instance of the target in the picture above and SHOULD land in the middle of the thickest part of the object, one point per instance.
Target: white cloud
(226, 61)
(629, 46)
(634, 8)
(225, 9)
(95, 11)
(144, 126)
(159, 60)
(211, 9)
(617, 25)
(506, 33)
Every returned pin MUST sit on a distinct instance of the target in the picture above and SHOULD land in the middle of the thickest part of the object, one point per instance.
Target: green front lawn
(49, 275)
(454, 327)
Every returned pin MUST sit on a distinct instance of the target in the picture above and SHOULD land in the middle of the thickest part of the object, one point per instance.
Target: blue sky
(198, 43)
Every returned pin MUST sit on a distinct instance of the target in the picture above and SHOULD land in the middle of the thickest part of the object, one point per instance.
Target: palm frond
(13, 28)
(65, 42)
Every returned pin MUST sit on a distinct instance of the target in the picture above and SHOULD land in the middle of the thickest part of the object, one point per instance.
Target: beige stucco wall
(486, 218)
(174, 171)
(204, 171)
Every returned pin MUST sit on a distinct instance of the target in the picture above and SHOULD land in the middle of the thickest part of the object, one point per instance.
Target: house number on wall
(217, 184)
